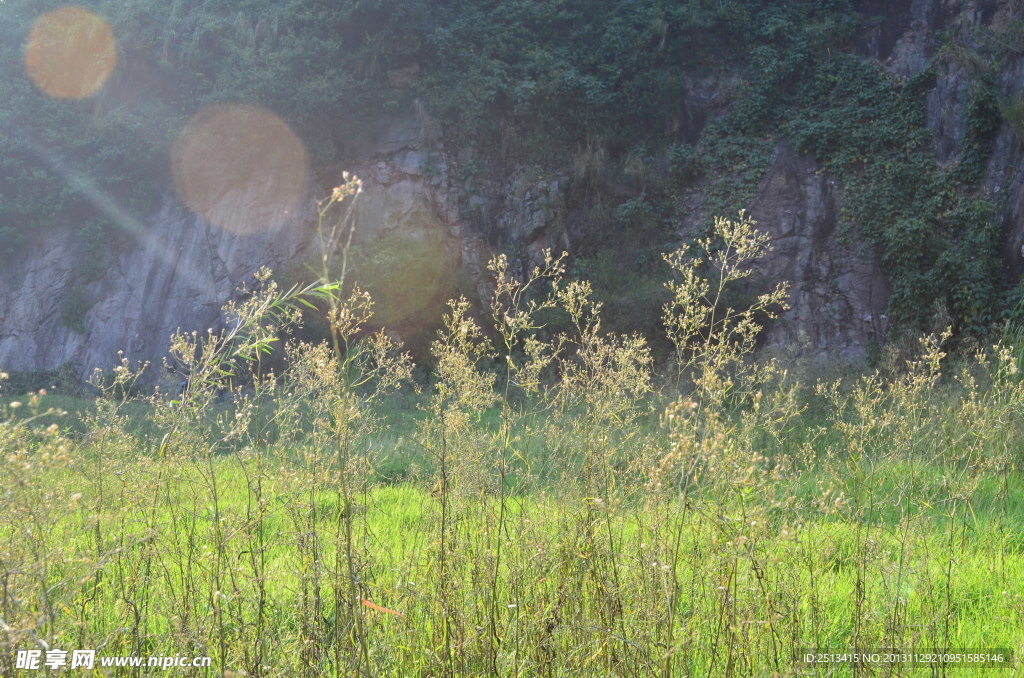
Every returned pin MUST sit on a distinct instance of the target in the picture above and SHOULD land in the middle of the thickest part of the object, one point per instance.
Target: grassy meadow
(544, 504)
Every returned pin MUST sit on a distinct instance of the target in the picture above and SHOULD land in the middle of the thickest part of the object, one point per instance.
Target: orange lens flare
(241, 168)
(70, 53)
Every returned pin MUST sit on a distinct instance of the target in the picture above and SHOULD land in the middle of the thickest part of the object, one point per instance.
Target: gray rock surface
(177, 275)
(180, 269)
(946, 31)
(838, 292)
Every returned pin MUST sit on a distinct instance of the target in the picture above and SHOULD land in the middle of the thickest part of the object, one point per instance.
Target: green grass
(545, 513)
(154, 556)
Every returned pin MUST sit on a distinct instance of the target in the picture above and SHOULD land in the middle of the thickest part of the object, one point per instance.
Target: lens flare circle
(411, 276)
(70, 53)
(241, 168)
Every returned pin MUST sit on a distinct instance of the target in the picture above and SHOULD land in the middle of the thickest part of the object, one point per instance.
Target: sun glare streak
(70, 53)
(110, 207)
(242, 169)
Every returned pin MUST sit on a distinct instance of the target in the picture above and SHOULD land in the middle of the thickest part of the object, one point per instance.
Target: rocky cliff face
(180, 269)
(838, 294)
(839, 288)
(175, 276)
(905, 42)
(180, 272)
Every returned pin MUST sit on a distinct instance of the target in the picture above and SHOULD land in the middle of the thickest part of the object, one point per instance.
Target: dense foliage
(601, 85)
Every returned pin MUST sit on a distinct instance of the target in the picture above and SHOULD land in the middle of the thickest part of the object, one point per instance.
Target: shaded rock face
(838, 293)
(839, 290)
(912, 50)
